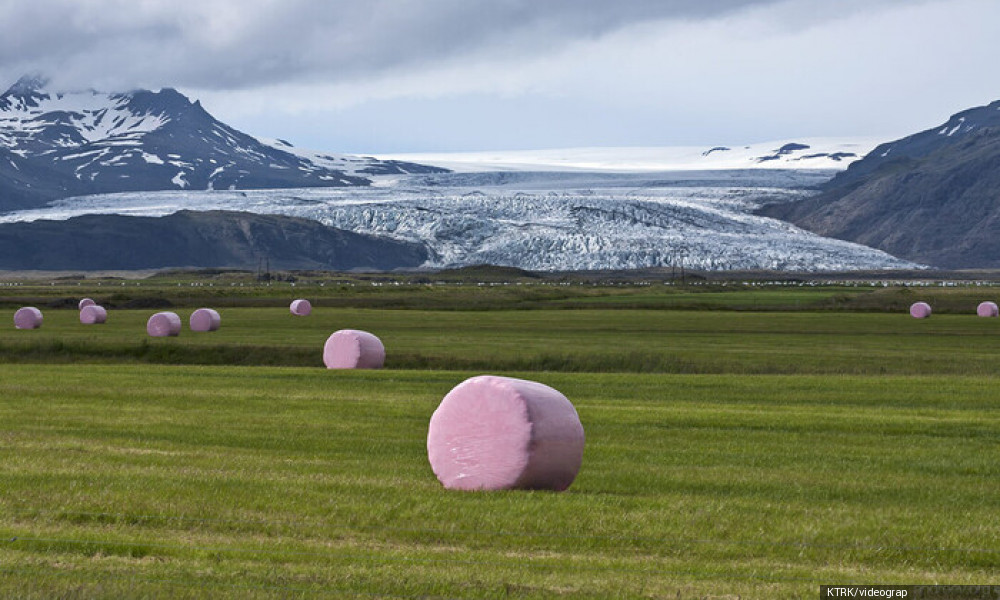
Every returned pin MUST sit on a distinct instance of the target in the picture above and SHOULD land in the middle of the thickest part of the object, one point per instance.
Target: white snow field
(806, 153)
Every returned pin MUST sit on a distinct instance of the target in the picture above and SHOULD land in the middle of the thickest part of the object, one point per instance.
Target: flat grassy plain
(581, 340)
(730, 453)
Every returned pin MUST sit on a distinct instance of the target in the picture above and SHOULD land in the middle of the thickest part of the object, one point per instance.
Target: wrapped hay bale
(988, 309)
(353, 349)
(205, 319)
(301, 307)
(28, 317)
(85, 303)
(498, 433)
(163, 324)
(93, 314)
(920, 310)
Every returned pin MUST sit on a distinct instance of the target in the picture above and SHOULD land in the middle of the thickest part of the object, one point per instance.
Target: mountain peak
(27, 85)
(167, 101)
(93, 142)
(25, 93)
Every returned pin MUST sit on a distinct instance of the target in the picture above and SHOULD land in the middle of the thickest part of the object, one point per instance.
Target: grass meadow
(731, 453)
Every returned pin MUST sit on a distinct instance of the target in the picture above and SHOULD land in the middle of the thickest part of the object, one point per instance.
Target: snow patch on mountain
(360, 166)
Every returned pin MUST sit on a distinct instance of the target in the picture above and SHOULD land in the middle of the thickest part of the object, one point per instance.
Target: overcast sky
(376, 76)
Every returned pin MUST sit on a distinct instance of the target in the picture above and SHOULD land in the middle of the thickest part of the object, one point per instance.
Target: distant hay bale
(85, 303)
(205, 319)
(163, 324)
(353, 349)
(988, 309)
(93, 314)
(498, 433)
(28, 317)
(920, 310)
(301, 307)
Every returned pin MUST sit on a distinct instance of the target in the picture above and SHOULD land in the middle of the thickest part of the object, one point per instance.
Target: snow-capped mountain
(66, 144)
(547, 221)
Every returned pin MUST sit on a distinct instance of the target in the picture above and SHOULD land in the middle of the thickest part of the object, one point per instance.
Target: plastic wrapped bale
(920, 310)
(988, 309)
(499, 433)
(205, 319)
(93, 314)
(353, 349)
(163, 324)
(301, 307)
(28, 317)
(84, 303)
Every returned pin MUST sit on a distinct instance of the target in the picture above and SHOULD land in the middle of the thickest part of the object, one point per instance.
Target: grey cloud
(240, 44)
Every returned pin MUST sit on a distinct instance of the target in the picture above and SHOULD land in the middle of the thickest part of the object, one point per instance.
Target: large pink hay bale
(499, 433)
(93, 314)
(85, 302)
(353, 349)
(301, 307)
(988, 309)
(163, 324)
(28, 317)
(920, 310)
(205, 319)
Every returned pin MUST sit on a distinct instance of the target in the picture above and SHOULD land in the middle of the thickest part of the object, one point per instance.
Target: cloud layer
(242, 44)
(432, 75)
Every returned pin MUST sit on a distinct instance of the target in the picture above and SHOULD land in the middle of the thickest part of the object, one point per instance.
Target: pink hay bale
(353, 349)
(920, 310)
(163, 324)
(93, 314)
(205, 319)
(28, 317)
(987, 309)
(85, 303)
(498, 433)
(301, 307)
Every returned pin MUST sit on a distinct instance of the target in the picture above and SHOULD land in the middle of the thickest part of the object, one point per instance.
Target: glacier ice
(547, 221)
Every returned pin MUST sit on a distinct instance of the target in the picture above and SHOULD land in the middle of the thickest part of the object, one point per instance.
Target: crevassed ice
(545, 221)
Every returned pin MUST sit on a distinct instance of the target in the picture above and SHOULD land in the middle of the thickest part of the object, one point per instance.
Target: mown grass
(233, 482)
(585, 340)
(388, 291)
(737, 451)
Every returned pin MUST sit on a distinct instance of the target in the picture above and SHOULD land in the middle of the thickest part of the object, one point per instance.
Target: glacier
(549, 221)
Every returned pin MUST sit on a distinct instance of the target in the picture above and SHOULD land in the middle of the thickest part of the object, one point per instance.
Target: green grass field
(730, 453)
(584, 340)
(168, 481)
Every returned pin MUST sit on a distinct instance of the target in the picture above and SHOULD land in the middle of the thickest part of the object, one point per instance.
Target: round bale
(163, 324)
(301, 307)
(93, 314)
(28, 317)
(987, 309)
(920, 310)
(353, 349)
(85, 303)
(205, 319)
(499, 433)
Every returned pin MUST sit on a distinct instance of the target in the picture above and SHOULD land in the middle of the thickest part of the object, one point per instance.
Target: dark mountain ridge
(197, 239)
(932, 197)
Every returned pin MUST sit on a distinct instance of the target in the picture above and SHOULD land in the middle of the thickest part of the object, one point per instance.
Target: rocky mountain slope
(197, 239)
(932, 197)
(56, 145)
